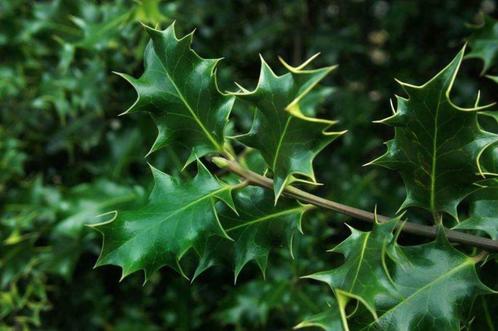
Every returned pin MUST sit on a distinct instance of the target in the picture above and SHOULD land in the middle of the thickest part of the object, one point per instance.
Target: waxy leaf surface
(329, 320)
(436, 144)
(287, 139)
(437, 285)
(178, 216)
(414, 288)
(178, 88)
(258, 227)
(363, 275)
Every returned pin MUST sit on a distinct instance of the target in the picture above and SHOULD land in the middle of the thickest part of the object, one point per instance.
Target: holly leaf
(287, 139)
(258, 227)
(12, 158)
(257, 304)
(178, 216)
(81, 206)
(97, 35)
(178, 88)
(83, 203)
(488, 158)
(437, 284)
(484, 43)
(483, 214)
(407, 286)
(492, 116)
(436, 144)
(311, 102)
(363, 276)
(329, 320)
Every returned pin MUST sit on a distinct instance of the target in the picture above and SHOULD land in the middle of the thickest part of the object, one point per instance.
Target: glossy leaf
(436, 144)
(363, 276)
(178, 88)
(178, 216)
(258, 227)
(437, 284)
(430, 286)
(287, 139)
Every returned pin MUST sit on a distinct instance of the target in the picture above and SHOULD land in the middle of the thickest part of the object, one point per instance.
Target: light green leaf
(178, 216)
(178, 88)
(287, 139)
(436, 144)
(99, 31)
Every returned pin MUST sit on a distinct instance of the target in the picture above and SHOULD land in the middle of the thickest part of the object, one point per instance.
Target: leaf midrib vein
(434, 157)
(362, 254)
(280, 142)
(189, 108)
(176, 212)
(265, 218)
(411, 296)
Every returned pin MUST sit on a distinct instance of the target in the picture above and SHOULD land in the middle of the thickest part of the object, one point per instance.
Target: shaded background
(65, 155)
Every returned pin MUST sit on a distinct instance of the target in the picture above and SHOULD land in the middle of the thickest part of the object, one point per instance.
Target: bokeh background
(66, 156)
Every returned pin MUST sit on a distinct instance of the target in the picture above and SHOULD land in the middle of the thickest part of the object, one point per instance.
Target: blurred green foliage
(66, 158)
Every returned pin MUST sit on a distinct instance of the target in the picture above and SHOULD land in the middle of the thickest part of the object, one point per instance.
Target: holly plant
(230, 195)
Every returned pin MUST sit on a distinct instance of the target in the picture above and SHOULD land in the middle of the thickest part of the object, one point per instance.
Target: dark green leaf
(423, 287)
(287, 139)
(258, 227)
(178, 88)
(178, 216)
(329, 320)
(436, 144)
(363, 276)
(483, 214)
(437, 284)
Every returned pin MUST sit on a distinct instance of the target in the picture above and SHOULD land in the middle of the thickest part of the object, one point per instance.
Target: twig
(418, 229)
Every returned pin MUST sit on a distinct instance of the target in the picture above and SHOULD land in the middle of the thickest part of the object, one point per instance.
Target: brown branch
(418, 229)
